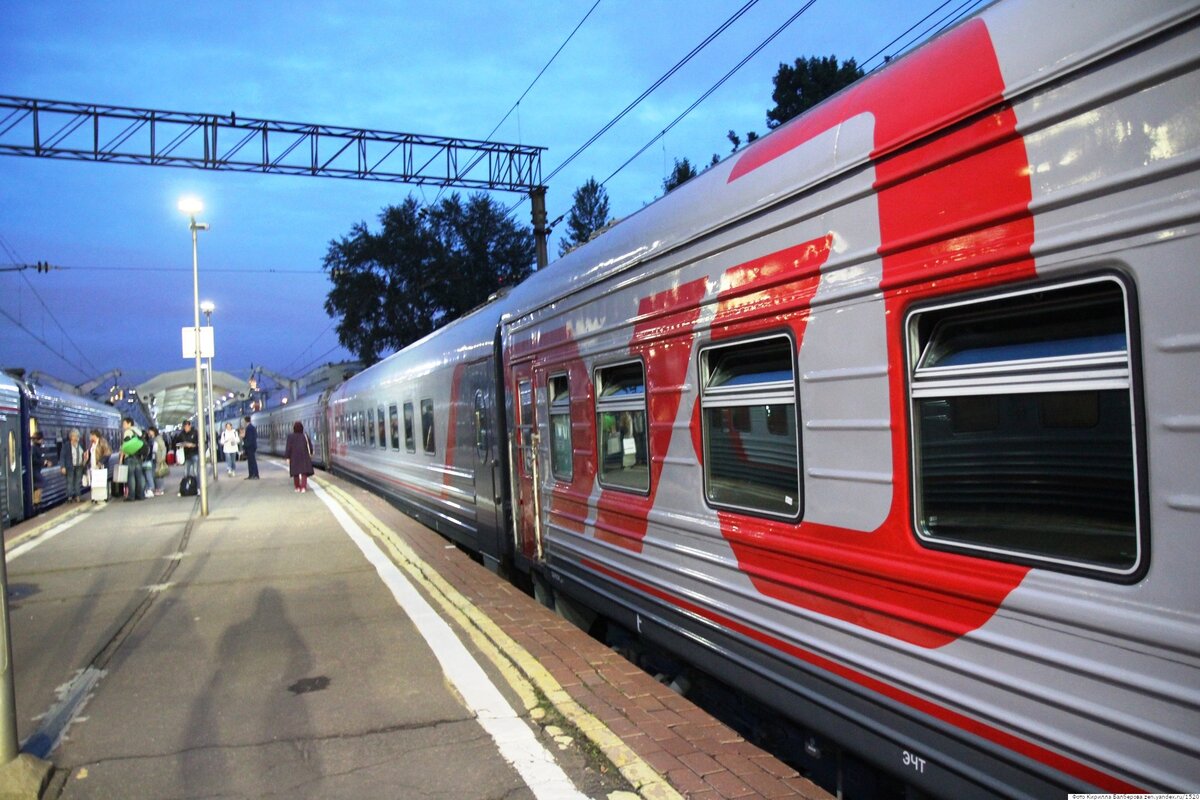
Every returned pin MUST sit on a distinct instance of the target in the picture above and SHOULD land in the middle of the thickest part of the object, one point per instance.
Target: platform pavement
(635, 718)
(663, 745)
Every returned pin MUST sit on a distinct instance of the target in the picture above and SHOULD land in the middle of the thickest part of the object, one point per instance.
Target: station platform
(326, 645)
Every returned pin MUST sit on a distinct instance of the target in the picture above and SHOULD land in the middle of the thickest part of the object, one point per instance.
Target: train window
(1023, 426)
(561, 449)
(525, 423)
(394, 425)
(410, 442)
(362, 427)
(370, 427)
(748, 421)
(427, 426)
(621, 426)
(382, 423)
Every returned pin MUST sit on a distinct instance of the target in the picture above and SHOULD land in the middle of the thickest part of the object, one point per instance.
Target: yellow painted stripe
(519, 668)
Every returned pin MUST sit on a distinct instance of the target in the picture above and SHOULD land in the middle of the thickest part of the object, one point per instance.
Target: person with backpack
(189, 441)
(134, 449)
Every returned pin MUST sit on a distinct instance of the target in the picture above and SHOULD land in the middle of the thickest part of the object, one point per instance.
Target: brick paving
(699, 756)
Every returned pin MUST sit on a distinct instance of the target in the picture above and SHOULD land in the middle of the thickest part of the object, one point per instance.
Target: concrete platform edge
(24, 778)
(518, 666)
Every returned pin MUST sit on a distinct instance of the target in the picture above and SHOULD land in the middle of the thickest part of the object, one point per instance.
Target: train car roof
(737, 188)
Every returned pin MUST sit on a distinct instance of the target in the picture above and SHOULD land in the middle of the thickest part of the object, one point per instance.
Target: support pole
(8, 694)
(212, 427)
(199, 383)
(541, 234)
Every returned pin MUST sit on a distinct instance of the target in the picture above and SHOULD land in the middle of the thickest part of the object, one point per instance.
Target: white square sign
(206, 342)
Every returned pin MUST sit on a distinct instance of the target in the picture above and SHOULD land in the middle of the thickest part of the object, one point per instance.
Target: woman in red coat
(298, 453)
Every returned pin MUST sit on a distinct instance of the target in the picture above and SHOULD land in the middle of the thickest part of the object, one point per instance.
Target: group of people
(143, 453)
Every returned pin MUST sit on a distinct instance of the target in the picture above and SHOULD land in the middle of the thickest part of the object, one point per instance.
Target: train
(34, 423)
(890, 419)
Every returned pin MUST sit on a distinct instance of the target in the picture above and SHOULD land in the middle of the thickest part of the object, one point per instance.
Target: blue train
(30, 480)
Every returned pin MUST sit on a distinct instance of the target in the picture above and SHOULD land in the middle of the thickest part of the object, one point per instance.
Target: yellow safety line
(513, 661)
(22, 538)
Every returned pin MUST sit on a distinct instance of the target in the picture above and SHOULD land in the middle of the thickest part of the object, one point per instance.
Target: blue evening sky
(450, 68)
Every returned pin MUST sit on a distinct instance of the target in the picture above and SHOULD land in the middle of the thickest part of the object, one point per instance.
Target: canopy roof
(175, 393)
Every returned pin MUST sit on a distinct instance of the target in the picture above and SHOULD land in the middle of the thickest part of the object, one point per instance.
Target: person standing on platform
(189, 440)
(97, 459)
(250, 442)
(161, 468)
(71, 463)
(229, 447)
(298, 453)
(131, 456)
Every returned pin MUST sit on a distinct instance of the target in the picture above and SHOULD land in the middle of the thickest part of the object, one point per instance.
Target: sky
(122, 288)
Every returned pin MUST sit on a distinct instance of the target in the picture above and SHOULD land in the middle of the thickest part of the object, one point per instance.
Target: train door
(527, 513)
(10, 468)
(480, 448)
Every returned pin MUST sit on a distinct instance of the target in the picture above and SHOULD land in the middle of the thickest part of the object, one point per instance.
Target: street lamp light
(192, 206)
(208, 308)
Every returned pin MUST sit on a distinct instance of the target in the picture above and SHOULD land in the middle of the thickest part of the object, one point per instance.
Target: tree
(423, 268)
(806, 83)
(588, 214)
(681, 174)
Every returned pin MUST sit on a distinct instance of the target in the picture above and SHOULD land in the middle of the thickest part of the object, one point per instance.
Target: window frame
(429, 434)
(599, 406)
(410, 427)
(381, 426)
(370, 440)
(556, 407)
(394, 425)
(1102, 379)
(741, 397)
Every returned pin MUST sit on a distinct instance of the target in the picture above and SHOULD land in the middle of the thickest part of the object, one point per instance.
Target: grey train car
(890, 419)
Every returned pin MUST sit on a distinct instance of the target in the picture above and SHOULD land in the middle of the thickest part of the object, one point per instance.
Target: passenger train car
(27, 409)
(890, 419)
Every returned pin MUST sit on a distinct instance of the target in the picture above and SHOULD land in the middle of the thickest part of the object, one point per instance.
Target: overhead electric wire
(863, 64)
(711, 89)
(44, 343)
(508, 113)
(665, 76)
(955, 14)
(248, 271)
(7, 249)
(309, 347)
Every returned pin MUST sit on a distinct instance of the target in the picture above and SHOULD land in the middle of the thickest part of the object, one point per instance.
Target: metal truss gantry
(120, 135)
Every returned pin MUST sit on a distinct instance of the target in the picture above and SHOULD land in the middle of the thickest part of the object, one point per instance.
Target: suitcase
(171, 459)
(99, 481)
(188, 486)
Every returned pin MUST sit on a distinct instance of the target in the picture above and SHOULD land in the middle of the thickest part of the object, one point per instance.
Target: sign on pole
(206, 342)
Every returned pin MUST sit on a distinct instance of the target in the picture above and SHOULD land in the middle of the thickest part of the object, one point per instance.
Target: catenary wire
(515, 105)
(661, 80)
(11, 254)
(711, 89)
(863, 64)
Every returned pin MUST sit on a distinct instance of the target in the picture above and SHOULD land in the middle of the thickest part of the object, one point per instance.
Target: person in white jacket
(230, 441)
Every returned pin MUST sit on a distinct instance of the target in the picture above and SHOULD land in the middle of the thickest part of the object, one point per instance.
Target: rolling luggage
(188, 486)
(99, 482)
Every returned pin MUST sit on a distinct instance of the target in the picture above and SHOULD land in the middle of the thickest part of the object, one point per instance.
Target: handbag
(122, 475)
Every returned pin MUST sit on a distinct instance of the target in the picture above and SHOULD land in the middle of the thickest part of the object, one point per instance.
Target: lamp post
(192, 206)
(208, 308)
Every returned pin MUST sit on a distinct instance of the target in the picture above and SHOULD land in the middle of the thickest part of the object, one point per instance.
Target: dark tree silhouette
(588, 214)
(802, 85)
(423, 268)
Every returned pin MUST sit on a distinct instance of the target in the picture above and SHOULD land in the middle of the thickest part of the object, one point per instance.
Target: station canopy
(174, 393)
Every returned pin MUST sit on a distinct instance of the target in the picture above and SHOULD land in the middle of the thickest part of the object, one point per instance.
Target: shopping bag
(122, 475)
